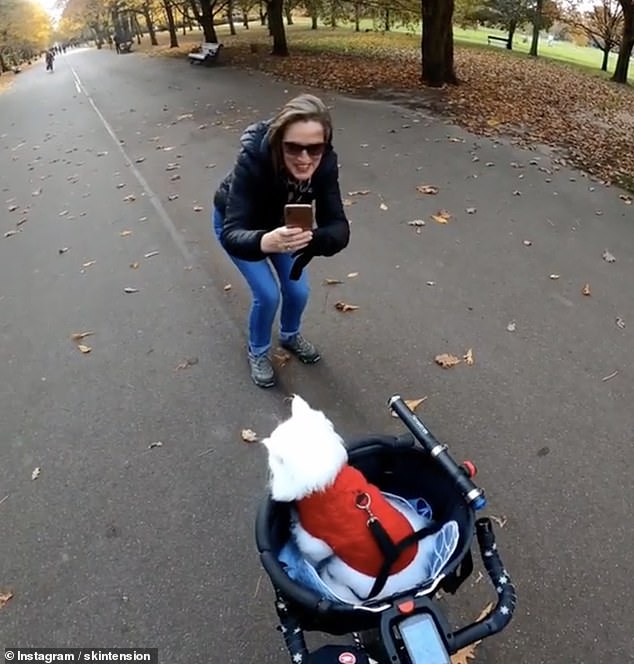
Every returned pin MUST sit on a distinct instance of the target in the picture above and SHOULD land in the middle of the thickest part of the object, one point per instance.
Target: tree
(276, 23)
(437, 43)
(537, 26)
(627, 42)
(25, 30)
(602, 25)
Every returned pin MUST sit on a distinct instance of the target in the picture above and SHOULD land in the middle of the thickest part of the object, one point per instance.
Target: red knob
(470, 467)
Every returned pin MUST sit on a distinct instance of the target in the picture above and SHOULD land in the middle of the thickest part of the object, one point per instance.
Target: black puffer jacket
(251, 200)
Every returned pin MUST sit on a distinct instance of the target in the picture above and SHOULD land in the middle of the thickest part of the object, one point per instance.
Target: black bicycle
(408, 628)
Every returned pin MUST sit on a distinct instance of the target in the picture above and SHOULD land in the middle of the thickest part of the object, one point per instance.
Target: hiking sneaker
(302, 349)
(262, 372)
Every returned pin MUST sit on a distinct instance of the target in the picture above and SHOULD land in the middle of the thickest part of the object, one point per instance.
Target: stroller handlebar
(502, 613)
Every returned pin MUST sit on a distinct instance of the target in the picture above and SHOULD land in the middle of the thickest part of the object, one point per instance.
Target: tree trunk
(537, 26)
(137, 29)
(387, 19)
(207, 22)
(627, 43)
(263, 13)
(245, 20)
(150, 23)
(333, 14)
(232, 27)
(357, 17)
(170, 23)
(512, 29)
(606, 57)
(276, 13)
(437, 43)
(288, 10)
(313, 21)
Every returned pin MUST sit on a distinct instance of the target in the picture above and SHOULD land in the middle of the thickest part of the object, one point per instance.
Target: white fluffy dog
(309, 466)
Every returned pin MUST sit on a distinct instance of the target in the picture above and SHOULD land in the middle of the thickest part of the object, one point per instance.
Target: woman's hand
(285, 240)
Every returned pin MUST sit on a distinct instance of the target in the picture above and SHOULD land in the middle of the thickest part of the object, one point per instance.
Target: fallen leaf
(198, 208)
(5, 597)
(63, 250)
(210, 166)
(512, 326)
(347, 202)
(249, 436)
(281, 357)
(139, 160)
(465, 654)
(471, 210)
(620, 323)
(342, 306)
(35, 474)
(383, 206)
(63, 213)
(187, 362)
(172, 166)
(142, 218)
(158, 443)
(416, 222)
(120, 185)
(125, 233)
(614, 374)
(586, 290)
(84, 349)
(22, 221)
(554, 276)
(88, 263)
(446, 361)
(608, 257)
(500, 520)
(360, 192)
(468, 357)
(135, 266)
(429, 189)
(202, 126)
(10, 233)
(332, 282)
(129, 198)
(517, 193)
(172, 197)
(13, 208)
(184, 116)
(175, 177)
(352, 275)
(431, 283)
(151, 254)
(626, 198)
(442, 216)
(78, 336)
(129, 289)
(527, 243)
(412, 404)
(227, 287)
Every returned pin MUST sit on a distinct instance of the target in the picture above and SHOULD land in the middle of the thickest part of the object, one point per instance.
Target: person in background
(286, 159)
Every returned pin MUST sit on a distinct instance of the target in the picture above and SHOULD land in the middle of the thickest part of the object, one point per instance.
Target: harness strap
(391, 550)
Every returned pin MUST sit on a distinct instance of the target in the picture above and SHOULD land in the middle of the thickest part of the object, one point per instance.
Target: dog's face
(305, 453)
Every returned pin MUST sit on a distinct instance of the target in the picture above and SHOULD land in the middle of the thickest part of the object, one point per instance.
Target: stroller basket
(396, 465)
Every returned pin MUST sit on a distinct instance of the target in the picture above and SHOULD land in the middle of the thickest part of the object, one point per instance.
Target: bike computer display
(422, 641)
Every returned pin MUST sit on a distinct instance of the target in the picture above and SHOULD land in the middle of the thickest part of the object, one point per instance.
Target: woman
(289, 159)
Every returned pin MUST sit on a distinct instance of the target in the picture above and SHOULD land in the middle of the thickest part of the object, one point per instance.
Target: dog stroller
(407, 628)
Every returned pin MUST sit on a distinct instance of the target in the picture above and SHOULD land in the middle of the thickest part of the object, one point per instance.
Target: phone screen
(422, 640)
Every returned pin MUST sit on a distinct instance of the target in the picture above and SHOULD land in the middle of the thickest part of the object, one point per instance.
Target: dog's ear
(299, 406)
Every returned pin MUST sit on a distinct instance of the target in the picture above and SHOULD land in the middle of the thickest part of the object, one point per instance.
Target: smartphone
(422, 640)
(299, 215)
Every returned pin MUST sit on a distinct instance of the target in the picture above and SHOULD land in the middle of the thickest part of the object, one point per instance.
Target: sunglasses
(296, 149)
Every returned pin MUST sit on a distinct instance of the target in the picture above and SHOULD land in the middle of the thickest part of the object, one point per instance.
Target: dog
(333, 503)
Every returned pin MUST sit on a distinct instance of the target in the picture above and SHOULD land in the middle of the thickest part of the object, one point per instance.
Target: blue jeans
(266, 295)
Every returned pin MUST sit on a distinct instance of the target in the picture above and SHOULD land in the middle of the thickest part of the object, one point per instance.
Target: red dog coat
(332, 515)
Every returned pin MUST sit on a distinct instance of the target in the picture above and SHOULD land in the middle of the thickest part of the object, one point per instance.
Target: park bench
(493, 38)
(125, 47)
(205, 54)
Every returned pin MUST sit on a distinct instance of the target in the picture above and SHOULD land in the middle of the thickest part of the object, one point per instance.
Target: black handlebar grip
(501, 615)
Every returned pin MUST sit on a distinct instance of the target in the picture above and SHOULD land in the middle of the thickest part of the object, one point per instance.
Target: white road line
(154, 199)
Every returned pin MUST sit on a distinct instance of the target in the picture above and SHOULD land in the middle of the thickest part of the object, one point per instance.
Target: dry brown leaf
(360, 192)
(500, 520)
(151, 254)
(88, 263)
(608, 257)
(586, 290)
(10, 233)
(512, 326)
(198, 208)
(352, 275)
(172, 197)
(249, 436)
(129, 198)
(84, 348)
(5, 597)
(554, 277)
(620, 323)
(281, 357)
(342, 306)
(129, 289)
(468, 357)
(227, 287)
(332, 282)
(347, 202)
(78, 336)
(442, 216)
(412, 404)
(135, 266)
(446, 361)
(383, 206)
(187, 362)
(125, 233)
(429, 189)
(464, 655)
(35, 474)
(157, 443)
(416, 222)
